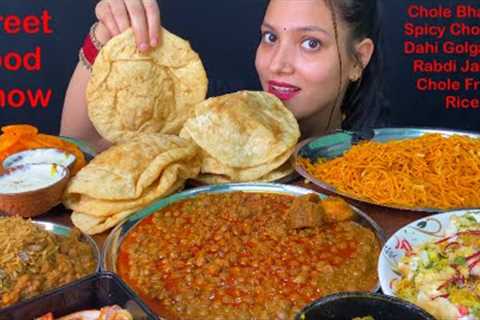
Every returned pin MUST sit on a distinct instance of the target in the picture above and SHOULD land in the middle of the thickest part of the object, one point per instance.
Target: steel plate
(118, 234)
(64, 231)
(336, 144)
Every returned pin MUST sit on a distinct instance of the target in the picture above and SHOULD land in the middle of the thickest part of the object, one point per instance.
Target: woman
(316, 57)
(320, 57)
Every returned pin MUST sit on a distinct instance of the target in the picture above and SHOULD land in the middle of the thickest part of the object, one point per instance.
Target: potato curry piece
(310, 211)
(336, 210)
(306, 212)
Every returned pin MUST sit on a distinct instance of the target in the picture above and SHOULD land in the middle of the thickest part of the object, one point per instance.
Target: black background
(225, 34)
(409, 107)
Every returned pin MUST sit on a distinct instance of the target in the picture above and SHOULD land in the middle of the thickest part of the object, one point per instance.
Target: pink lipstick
(282, 90)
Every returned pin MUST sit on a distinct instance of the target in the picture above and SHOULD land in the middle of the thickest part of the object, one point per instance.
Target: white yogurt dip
(30, 177)
(42, 155)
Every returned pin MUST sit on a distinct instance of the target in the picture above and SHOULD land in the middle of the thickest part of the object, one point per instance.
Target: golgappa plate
(336, 144)
(118, 234)
(428, 229)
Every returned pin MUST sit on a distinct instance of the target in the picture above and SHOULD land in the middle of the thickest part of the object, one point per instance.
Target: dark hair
(362, 103)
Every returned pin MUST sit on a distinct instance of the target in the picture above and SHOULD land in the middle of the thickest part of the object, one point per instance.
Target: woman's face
(297, 58)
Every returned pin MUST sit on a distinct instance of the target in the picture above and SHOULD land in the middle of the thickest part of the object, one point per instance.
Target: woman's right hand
(142, 15)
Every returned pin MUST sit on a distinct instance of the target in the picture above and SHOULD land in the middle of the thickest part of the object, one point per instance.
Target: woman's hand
(142, 15)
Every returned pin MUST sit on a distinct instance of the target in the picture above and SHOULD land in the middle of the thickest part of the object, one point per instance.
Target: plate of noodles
(416, 169)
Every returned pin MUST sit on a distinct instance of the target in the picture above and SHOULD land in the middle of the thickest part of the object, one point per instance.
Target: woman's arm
(114, 16)
(75, 122)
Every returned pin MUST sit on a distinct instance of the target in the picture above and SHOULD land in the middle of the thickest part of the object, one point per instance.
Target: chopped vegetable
(444, 276)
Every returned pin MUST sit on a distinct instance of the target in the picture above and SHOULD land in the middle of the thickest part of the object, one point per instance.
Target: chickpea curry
(33, 260)
(245, 255)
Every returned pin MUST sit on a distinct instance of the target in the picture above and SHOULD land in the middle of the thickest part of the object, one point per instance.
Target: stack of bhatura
(140, 102)
(135, 100)
(244, 136)
(127, 177)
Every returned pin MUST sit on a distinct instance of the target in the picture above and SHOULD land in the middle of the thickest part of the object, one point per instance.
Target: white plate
(427, 229)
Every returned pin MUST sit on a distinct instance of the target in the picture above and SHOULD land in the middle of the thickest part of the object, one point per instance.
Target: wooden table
(389, 219)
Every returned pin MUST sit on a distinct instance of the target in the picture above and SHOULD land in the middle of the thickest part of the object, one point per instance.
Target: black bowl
(93, 292)
(348, 305)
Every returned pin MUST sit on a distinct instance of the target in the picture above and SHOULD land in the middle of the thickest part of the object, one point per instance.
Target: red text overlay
(444, 45)
(12, 60)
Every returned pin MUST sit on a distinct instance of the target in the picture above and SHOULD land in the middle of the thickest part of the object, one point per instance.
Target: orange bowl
(29, 190)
